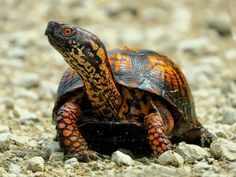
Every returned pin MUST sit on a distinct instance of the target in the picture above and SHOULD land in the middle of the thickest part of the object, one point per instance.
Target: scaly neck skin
(100, 87)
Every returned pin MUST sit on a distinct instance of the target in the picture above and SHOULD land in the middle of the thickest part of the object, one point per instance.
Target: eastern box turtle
(124, 97)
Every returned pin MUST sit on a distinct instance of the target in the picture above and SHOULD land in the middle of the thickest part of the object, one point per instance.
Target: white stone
(15, 169)
(121, 159)
(4, 137)
(4, 129)
(27, 80)
(201, 166)
(198, 74)
(165, 171)
(132, 36)
(228, 115)
(171, 158)
(222, 148)
(195, 46)
(56, 156)
(191, 153)
(219, 22)
(181, 19)
(17, 52)
(71, 161)
(36, 164)
(230, 54)
(19, 139)
(53, 146)
(26, 116)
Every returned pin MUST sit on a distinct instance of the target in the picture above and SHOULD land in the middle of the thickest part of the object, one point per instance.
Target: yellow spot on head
(101, 53)
(94, 45)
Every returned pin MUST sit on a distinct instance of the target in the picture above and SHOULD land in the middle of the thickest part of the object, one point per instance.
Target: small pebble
(166, 171)
(15, 169)
(121, 158)
(4, 129)
(230, 54)
(171, 158)
(4, 137)
(71, 161)
(194, 46)
(36, 164)
(26, 116)
(201, 166)
(27, 80)
(56, 156)
(23, 140)
(228, 115)
(222, 148)
(191, 153)
(219, 22)
(52, 146)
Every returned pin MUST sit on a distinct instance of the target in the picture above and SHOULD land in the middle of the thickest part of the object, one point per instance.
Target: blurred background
(195, 34)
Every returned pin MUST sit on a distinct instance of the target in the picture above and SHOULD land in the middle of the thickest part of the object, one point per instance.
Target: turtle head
(81, 49)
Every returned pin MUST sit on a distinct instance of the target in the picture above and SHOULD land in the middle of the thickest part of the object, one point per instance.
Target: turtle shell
(143, 69)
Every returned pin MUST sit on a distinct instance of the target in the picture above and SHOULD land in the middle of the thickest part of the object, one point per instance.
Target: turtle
(117, 97)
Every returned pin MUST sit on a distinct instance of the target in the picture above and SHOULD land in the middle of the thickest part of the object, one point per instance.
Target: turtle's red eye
(67, 31)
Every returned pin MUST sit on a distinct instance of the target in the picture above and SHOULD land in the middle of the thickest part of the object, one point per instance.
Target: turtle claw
(206, 137)
(84, 156)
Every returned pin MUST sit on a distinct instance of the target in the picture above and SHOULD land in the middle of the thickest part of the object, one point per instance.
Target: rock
(121, 159)
(157, 33)
(195, 46)
(181, 19)
(56, 156)
(144, 160)
(17, 53)
(27, 80)
(230, 54)
(219, 22)
(71, 161)
(53, 146)
(171, 158)
(36, 164)
(4, 139)
(27, 94)
(214, 61)
(191, 153)
(228, 115)
(165, 171)
(22, 140)
(27, 116)
(233, 103)
(220, 133)
(222, 148)
(199, 74)
(232, 129)
(132, 36)
(15, 169)
(200, 166)
(4, 129)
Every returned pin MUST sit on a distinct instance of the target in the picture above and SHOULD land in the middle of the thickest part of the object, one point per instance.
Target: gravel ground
(196, 34)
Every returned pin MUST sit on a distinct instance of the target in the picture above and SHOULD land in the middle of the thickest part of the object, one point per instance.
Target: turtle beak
(51, 27)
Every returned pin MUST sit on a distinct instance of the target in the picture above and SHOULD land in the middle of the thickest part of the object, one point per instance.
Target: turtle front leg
(157, 125)
(69, 136)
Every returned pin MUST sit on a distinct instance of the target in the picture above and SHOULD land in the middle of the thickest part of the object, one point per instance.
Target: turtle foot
(206, 137)
(84, 156)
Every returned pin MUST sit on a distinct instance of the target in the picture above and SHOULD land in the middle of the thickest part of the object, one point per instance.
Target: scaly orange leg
(157, 127)
(69, 136)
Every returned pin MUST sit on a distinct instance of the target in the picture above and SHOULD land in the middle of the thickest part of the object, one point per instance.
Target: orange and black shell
(146, 70)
